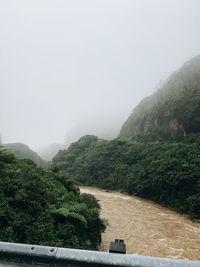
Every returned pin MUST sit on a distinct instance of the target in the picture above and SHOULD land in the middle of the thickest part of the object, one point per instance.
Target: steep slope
(172, 110)
(22, 151)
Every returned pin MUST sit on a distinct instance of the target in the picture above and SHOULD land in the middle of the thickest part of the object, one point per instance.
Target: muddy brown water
(146, 227)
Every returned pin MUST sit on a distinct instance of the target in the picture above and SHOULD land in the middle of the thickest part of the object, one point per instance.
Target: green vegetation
(45, 207)
(165, 172)
(22, 151)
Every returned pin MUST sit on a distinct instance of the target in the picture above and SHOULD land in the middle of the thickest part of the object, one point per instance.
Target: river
(146, 227)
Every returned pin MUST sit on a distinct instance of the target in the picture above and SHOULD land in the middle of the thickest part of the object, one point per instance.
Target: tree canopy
(45, 207)
(166, 172)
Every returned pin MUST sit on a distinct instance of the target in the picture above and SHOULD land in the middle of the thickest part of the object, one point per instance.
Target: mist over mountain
(22, 151)
(62, 62)
(104, 125)
(48, 152)
(172, 110)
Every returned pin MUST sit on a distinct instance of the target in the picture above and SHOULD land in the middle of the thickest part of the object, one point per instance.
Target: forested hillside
(172, 110)
(166, 172)
(22, 151)
(46, 208)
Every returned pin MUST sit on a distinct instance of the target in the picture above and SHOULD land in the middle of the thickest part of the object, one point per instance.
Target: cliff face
(174, 109)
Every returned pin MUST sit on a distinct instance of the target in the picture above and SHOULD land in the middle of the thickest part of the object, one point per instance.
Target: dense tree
(166, 172)
(45, 207)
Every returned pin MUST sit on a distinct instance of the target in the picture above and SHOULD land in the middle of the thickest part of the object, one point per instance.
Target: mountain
(48, 152)
(22, 151)
(173, 110)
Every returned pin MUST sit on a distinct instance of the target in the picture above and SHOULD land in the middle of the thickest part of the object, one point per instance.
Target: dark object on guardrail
(18, 255)
(118, 246)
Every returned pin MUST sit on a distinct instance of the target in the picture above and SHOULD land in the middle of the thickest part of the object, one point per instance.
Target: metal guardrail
(13, 254)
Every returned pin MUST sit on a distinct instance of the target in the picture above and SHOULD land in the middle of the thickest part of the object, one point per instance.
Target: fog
(68, 67)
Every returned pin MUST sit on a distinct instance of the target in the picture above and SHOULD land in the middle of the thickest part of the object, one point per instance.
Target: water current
(146, 227)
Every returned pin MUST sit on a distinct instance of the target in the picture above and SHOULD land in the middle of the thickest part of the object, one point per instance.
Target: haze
(80, 66)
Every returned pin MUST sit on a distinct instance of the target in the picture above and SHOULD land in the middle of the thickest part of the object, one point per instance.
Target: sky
(71, 67)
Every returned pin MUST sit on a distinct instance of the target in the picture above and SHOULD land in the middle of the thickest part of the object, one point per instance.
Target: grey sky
(64, 62)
